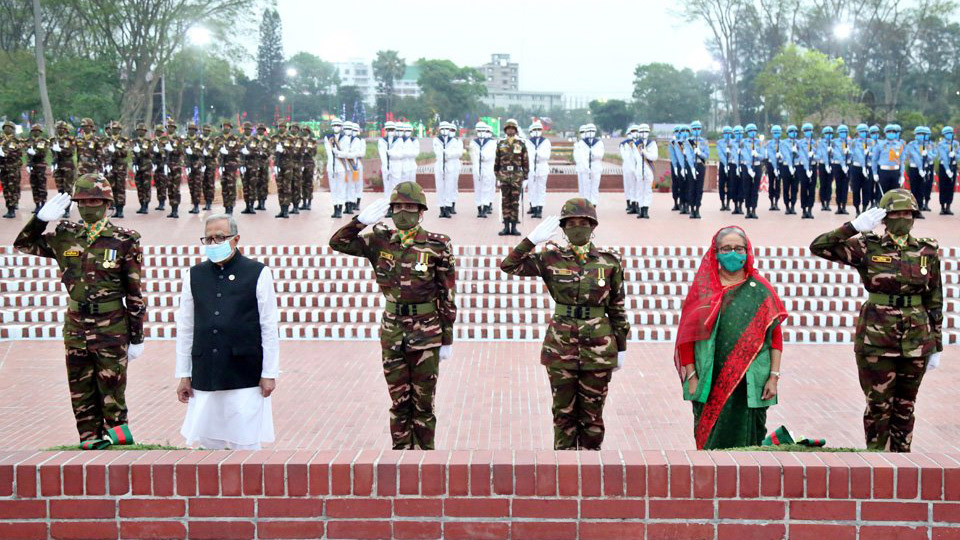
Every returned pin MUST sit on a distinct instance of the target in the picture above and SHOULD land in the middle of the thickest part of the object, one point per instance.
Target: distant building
(407, 85)
(502, 74)
(360, 74)
(531, 101)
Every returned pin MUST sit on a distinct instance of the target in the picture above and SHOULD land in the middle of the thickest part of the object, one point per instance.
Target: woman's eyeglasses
(727, 249)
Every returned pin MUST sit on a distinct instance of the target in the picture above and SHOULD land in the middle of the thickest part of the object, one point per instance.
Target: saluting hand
(375, 212)
(869, 220)
(544, 231)
(54, 208)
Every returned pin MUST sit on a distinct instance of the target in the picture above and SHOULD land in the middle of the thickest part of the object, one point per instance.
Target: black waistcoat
(227, 351)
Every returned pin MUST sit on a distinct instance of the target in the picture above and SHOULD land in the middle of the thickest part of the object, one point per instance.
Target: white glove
(869, 220)
(31, 151)
(203, 169)
(446, 351)
(544, 231)
(56, 147)
(949, 173)
(134, 351)
(136, 169)
(153, 168)
(108, 168)
(621, 357)
(223, 151)
(166, 169)
(54, 208)
(168, 148)
(205, 152)
(220, 170)
(2, 153)
(188, 170)
(156, 149)
(751, 172)
(136, 148)
(793, 170)
(243, 170)
(111, 148)
(275, 171)
(278, 148)
(189, 151)
(375, 212)
(55, 167)
(952, 153)
(932, 363)
(845, 169)
(29, 169)
(244, 151)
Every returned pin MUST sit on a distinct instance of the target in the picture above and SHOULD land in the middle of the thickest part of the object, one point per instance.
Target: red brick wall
(479, 494)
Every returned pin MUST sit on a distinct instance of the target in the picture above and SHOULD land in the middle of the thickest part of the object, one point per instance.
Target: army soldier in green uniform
(262, 182)
(36, 147)
(511, 166)
(173, 145)
(296, 167)
(283, 167)
(115, 160)
(209, 167)
(89, 149)
(100, 267)
(415, 271)
(10, 163)
(228, 146)
(248, 167)
(193, 148)
(309, 169)
(899, 329)
(142, 163)
(587, 337)
(64, 147)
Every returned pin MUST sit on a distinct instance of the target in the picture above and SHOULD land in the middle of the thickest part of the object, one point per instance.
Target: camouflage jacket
(89, 151)
(886, 268)
(175, 156)
(252, 144)
(231, 143)
(283, 159)
(39, 146)
(597, 282)
(12, 150)
(109, 269)
(121, 149)
(511, 159)
(68, 146)
(396, 267)
(309, 152)
(144, 158)
(160, 155)
(194, 159)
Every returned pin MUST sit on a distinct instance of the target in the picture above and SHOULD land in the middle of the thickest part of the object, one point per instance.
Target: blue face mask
(949, 136)
(733, 261)
(739, 136)
(696, 133)
(726, 136)
(218, 252)
(808, 134)
(875, 136)
(891, 136)
(792, 134)
(776, 134)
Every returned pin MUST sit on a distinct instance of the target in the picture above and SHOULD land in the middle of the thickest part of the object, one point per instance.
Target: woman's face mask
(578, 235)
(898, 226)
(92, 214)
(733, 261)
(891, 136)
(406, 219)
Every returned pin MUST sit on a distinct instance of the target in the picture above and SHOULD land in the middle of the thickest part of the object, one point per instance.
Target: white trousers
(409, 173)
(537, 189)
(630, 185)
(447, 179)
(589, 184)
(483, 187)
(644, 187)
(338, 184)
(354, 188)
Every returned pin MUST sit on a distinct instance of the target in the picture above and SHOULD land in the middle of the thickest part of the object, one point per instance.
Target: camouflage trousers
(142, 178)
(306, 188)
(296, 184)
(87, 167)
(228, 184)
(262, 184)
(97, 381)
(160, 183)
(578, 398)
(890, 385)
(195, 183)
(510, 186)
(284, 184)
(209, 188)
(64, 177)
(38, 184)
(118, 183)
(174, 179)
(250, 183)
(10, 180)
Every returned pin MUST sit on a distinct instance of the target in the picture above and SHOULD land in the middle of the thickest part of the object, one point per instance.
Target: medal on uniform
(601, 282)
(110, 258)
(923, 265)
(421, 265)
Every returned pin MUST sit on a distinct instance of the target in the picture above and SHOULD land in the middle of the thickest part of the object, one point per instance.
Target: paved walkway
(491, 395)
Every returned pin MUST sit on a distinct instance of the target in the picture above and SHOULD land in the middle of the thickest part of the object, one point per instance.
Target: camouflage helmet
(92, 186)
(578, 207)
(9, 124)
(191, 126)
(158, 127)
(899, 199)
(247, 125)
(141, 127)
(86, 122)
(36, 127)
(409, 192)
(61, 125)
(511, 123)
(227, 124)
(116, 125)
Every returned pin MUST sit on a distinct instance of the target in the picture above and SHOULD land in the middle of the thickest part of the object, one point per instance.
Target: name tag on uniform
(881, 259)
(386, 255)
(517, 149)
(562, 272)
(71, 253)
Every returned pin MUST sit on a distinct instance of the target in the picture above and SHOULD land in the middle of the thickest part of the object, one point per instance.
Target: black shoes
(195, 209)
(285, 211)
(173, 211)
(144, 209)
(249, 209)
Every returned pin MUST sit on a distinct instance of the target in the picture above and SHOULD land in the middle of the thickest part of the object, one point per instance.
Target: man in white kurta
(228, 350)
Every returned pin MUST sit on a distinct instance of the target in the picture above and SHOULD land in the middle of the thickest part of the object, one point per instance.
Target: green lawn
(68, 447)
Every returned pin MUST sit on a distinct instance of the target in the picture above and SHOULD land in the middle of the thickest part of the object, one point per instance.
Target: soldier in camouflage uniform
(10, 162)
(309, 169)
(296, 168)
(117, 149)
(248, 167)
(898, 335)
(228, 148)
(511, 166)
(36, 147)
(415, 271)
(174, 147)
(63, 148)
(89, 149)
(587, 337)
(262, 182)
(209, 167)
(160, 168)
(283, 165)
(100, 267)
(193, 148)
(142, 163)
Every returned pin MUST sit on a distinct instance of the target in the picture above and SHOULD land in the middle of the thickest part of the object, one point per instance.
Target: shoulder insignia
(442, 238)
(128, 233)
(386, 255)
(929, 242)
(615, 253)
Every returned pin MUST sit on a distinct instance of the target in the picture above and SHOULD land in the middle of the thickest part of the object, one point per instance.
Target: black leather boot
(144, 209)
(261, 204)
(162, 205)
(173, 211)
(676, 206)
(294, 209)
(513, 229)
(453, 209)
(207, 207)
(443, 212)
(195, 209)
(118, 212)
(228, 209)
(284, 212)
(249, 209)
(481, 213)
(11, 213)
(506, 229)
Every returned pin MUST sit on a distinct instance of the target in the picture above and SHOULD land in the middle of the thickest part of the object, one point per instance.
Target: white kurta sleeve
(184, 319)
(269, 319)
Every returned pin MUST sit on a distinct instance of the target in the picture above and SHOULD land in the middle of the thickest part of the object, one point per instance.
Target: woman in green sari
(729, 345)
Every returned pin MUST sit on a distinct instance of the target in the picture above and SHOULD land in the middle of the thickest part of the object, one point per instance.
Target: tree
(313, 89)
(807, 83)
(448, 90)
(611, 115)
(665, 94)
(41, 67)
(270, 62)
(387, 68)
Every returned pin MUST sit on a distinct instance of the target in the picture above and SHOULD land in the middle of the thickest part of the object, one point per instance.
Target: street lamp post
(291, 73)
(200, 37)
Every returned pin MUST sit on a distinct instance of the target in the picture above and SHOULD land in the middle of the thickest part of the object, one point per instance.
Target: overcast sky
(556, 49)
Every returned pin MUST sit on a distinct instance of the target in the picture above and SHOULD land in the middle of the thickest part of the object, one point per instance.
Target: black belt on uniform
(579, 312)
(410, 309)
(94, 308)
(896, 300)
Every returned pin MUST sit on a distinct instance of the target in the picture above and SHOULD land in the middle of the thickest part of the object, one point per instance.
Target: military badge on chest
(422, 260)
(110, 259)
